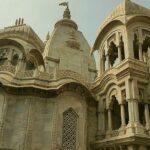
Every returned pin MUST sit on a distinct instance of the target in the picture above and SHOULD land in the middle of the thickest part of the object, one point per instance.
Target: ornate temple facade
(52, 97)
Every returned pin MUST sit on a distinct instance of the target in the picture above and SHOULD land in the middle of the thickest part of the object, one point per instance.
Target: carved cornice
(130, 68)
(38, 79)
(130, 140)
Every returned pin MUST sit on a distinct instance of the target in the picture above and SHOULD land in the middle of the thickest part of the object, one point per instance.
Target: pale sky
(41, 15)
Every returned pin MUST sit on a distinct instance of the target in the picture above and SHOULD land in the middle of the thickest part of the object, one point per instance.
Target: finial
(66, 14)
(19, 22)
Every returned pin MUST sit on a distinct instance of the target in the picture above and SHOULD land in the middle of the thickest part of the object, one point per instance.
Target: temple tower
(122, 85)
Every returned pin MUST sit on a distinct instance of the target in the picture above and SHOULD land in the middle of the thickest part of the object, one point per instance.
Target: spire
(66, 14)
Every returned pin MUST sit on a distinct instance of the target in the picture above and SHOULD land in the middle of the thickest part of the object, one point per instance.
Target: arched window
(116, 114)
(136, 46)
(113, 53)
(69, 130)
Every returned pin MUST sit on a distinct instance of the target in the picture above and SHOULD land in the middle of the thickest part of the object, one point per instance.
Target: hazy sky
(41, 15)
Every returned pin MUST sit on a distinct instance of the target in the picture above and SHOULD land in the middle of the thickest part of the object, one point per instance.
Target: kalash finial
(66, 14)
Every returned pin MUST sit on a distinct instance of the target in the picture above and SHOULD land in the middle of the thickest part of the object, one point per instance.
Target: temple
(52, 96)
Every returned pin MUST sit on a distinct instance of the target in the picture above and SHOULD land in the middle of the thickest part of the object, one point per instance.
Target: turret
(124, 34)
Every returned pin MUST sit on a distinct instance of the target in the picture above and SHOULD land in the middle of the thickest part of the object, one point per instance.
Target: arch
(4, 42)
(35, 57)
(112, 91)
(74, 85)
(104, 30)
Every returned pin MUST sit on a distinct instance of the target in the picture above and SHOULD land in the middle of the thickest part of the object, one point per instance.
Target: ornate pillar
(147, 116)
(10, 52)
(140, 52)
(136, 111)
(123, 122)
(135, 94)
(129, 100)
(108, 62)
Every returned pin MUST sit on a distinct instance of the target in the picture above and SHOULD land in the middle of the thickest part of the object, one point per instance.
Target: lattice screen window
(69, 129)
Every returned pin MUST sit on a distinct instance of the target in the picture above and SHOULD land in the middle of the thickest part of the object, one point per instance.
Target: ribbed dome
(24, 32)
(126, 9)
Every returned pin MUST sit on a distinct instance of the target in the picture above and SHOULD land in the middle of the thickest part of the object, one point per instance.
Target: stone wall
(33, 123)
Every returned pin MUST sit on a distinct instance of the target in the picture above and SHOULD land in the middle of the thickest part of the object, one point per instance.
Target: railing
(71, 74)
(28, 74)
(8, 68)
(60, 74)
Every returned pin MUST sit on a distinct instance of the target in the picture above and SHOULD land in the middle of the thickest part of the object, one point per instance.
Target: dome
(67, 49)
(123, 13)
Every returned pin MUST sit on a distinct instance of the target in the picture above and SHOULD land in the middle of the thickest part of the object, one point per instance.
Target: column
(123, 122)
(9, 52)
(136, 111)
(108, 62)
(140, 52)
(109, 120)
(129, 100)
(19, 66)
(119, 54)
(147, 116)
(103, 63)
(135, 100)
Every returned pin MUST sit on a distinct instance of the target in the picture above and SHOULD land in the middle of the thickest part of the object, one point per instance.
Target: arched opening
(113, 53)
(145, 48)
(136, 46)
(34, 60)
(116, 117)
(142, 114)
(30, 65)
(125, 103)
(121, 44)
(69, 137)
(105, 115)
(142, 108)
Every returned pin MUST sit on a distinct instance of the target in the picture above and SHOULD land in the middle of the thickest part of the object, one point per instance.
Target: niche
(136, 46)
(116, 117)
(113, 53)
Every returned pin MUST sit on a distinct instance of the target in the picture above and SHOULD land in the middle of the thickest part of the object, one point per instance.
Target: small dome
(123, 12)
